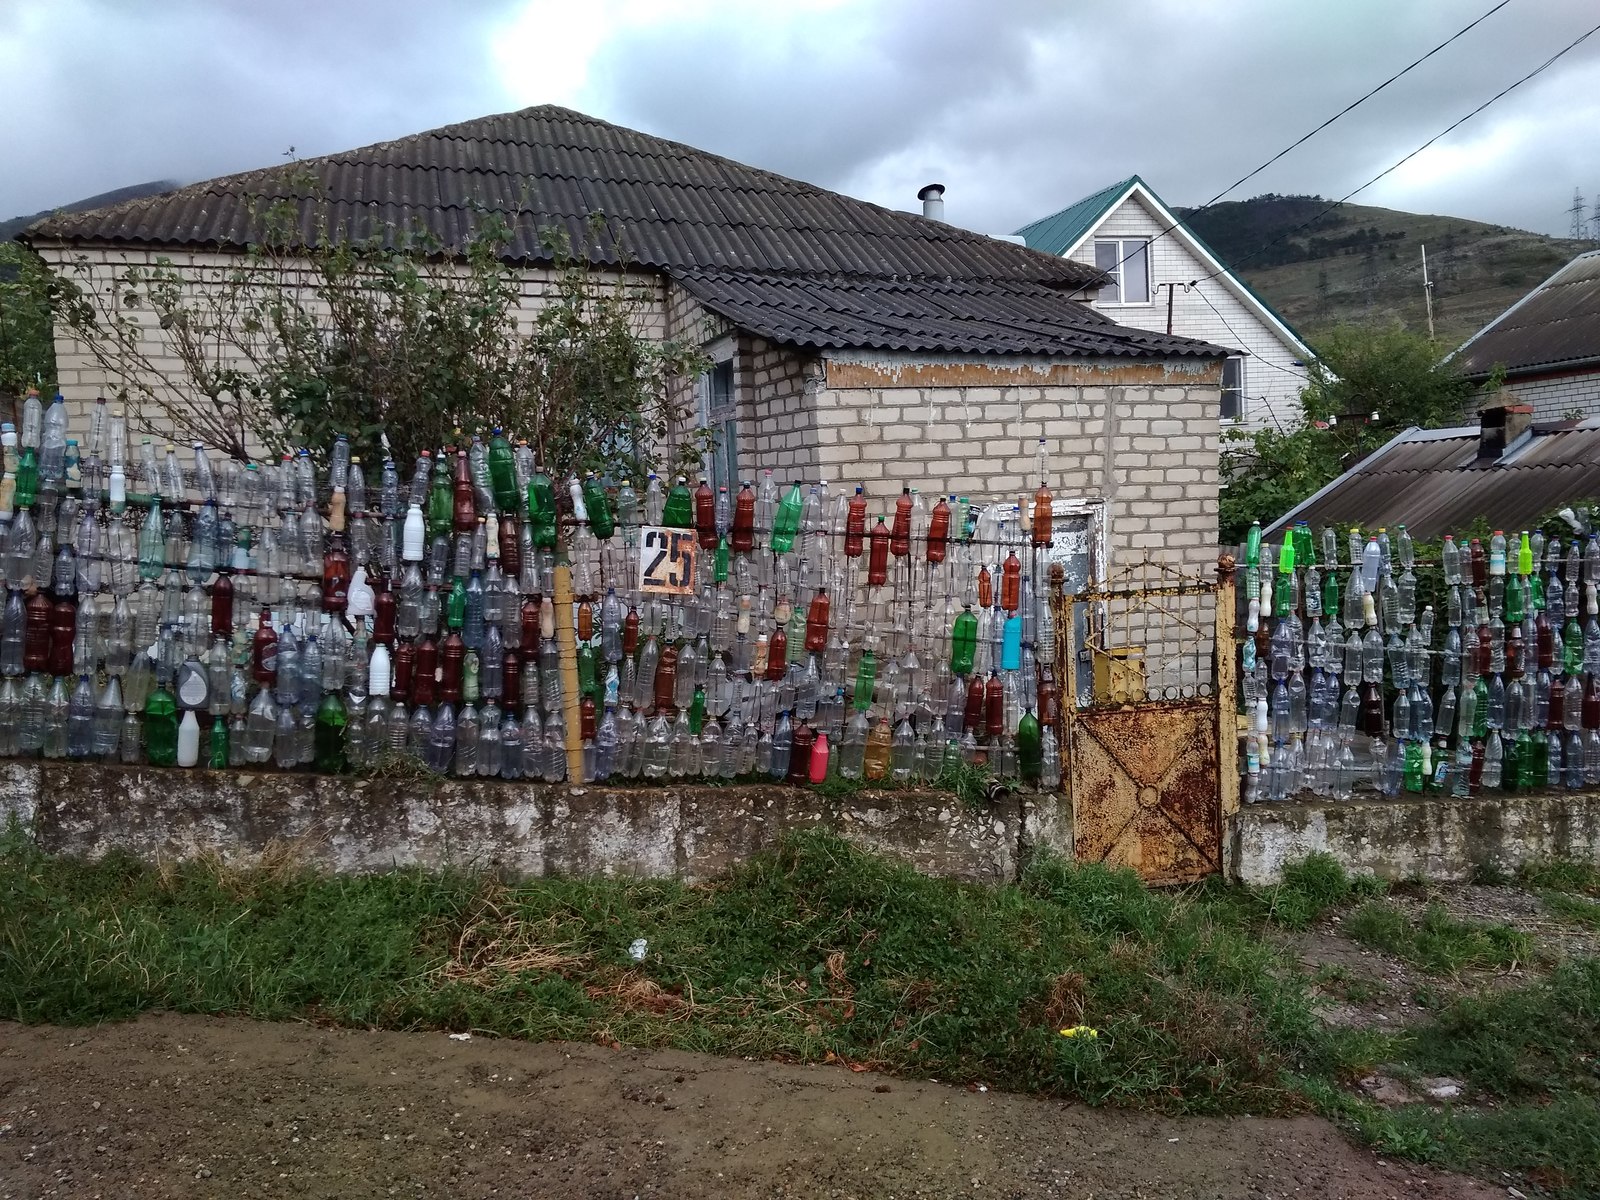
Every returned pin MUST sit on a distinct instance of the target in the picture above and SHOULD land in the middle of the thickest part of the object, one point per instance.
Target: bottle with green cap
(1252, 546)
(596, 499)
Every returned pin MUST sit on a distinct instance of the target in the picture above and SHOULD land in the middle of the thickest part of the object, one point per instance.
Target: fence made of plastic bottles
(165, 608)
(1472, 667)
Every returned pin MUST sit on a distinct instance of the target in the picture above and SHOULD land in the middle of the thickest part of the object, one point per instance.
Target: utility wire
(1501, 94)
(1117, 266)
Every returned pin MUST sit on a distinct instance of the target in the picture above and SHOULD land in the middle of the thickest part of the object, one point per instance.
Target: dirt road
(198, 1107)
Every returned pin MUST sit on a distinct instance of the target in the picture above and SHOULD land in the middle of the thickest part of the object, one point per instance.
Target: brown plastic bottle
(817, 623)
(1558, 706)
(264, 651)
(451, 657)
(586, 718)
(777, 654)
(1546, 642)
(36, 633)
(880, 743)
(972, 713)
(804, 739)
(705, 515)
(1475, 773)
(335, 574)
(222, 607)
(511, 681)
(1591, 704)
(1485, 649)
(666, 678)
(585, 621)
(424, 677)
(900, 536)
(985, 588)
(1372, 715)
(855, 524)
(63, 624)
(1043, 515)
(742, 536)
(1049, 694)
(878, 559)
(464, 515)
(1516, 648)
(404, 664)
(938, 531)
(994, 707)
(530, 622)
(630, 632)
(1011, 583)
(383, 614)
(510, 547)
(1479, 563)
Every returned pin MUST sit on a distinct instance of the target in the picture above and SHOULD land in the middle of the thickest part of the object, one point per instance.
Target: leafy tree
(1366, 386)
(27, 348)
(398, 342)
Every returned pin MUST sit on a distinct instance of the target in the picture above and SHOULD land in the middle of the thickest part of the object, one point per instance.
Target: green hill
(10, 227)
(1362, 265)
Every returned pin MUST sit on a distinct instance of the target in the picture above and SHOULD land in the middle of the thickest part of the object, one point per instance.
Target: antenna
(1576, 212)
(1427, 291)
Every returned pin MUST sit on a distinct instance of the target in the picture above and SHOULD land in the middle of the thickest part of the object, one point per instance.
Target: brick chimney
(1499, 428)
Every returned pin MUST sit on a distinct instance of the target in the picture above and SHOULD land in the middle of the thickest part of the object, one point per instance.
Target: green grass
(1438, 943)
(1558, 875)
(817, 949)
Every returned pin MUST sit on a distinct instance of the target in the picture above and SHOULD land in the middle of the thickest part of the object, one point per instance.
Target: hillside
(1363, 265)
(11, 227)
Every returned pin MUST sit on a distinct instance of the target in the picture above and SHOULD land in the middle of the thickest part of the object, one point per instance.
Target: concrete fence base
(1435, 838)
(529, 829)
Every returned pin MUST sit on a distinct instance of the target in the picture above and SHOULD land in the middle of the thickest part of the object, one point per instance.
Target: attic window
(1126, 262)
(1232, 388)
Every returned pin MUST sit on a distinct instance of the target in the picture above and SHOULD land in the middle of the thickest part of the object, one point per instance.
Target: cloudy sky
(1018, 106)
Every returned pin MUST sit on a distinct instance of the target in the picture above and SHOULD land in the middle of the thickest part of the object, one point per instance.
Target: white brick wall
(1272, 382)
(157, 408)
(1559, 396)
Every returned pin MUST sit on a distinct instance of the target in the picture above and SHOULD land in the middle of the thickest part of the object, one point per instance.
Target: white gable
(1218, 310)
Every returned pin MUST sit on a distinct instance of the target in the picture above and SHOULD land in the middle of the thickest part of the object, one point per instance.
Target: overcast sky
(1018, 106)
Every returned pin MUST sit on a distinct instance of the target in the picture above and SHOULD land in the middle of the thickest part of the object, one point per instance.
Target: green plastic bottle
(441, 498)
(1030, 747)
(719, 567)
(679, 510)
(1330, 593)
(217, 753)
(587, 684)
(161, 729)
(1511, 764)
(455, 605)
(1533, 762)
(27, 477)
(1252, 546)
(503, 472)
(786, 522)
(697, 711)
(598, 501)
(866, 680)
(1514, 599)
(328, 737)
(964, 642)
(1412, 775)
(542, 511)
(1525, 555)
(1303, 552)
(1480, 712)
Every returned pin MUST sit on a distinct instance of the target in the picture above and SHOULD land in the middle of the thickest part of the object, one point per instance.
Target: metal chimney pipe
(932, 198)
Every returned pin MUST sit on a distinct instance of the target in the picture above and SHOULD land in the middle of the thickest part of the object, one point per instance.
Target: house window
(1126, 262)
(1233, 388)
(719, 410)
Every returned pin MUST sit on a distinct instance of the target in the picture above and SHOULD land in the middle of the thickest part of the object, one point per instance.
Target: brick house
(852, 343)
(1162, 276)
(1547, 344)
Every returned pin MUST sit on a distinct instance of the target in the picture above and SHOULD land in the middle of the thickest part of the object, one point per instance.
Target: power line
(1356, 103)
(1151, 241)
(1264, 361)
(1503, 92)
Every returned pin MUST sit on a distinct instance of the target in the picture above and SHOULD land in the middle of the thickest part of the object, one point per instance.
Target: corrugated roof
(673, 206)
(1059, 232)
(1555, 325)
(945, 316)
(1432, 482)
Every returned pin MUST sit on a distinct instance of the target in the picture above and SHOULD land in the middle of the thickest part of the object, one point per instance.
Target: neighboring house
(1547, 343)
(852, 343)
(1161, 276)
(1437, 481)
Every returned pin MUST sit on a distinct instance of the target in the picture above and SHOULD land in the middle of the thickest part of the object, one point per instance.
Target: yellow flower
(1082, 1031)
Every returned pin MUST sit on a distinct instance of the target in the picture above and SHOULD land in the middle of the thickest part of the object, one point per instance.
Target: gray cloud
(1019, 106)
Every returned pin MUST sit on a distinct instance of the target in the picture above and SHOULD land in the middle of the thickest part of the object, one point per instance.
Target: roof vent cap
(932, 197)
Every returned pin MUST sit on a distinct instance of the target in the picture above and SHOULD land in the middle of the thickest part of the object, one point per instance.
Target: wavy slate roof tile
(787, 259)
(1556, 326)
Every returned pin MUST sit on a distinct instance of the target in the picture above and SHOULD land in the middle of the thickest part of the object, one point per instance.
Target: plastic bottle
(878, 748)
(786, 521)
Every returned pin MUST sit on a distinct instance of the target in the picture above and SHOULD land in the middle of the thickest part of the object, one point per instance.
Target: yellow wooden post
(567, 646)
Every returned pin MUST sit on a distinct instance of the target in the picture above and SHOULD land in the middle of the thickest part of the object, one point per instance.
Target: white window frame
(1123, 247)
(720, 414)
(1239, 400)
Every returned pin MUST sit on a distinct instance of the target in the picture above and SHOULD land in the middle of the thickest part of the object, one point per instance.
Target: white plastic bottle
(188, 740)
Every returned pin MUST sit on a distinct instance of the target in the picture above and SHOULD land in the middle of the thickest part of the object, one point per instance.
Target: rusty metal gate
(1146, 710)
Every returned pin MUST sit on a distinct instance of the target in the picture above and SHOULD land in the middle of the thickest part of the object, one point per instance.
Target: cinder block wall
(1553, 398)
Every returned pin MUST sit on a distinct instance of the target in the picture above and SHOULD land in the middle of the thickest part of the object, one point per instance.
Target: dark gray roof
(786, 259)
(1555, 326)
(1430, 481)
(1006, 316)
